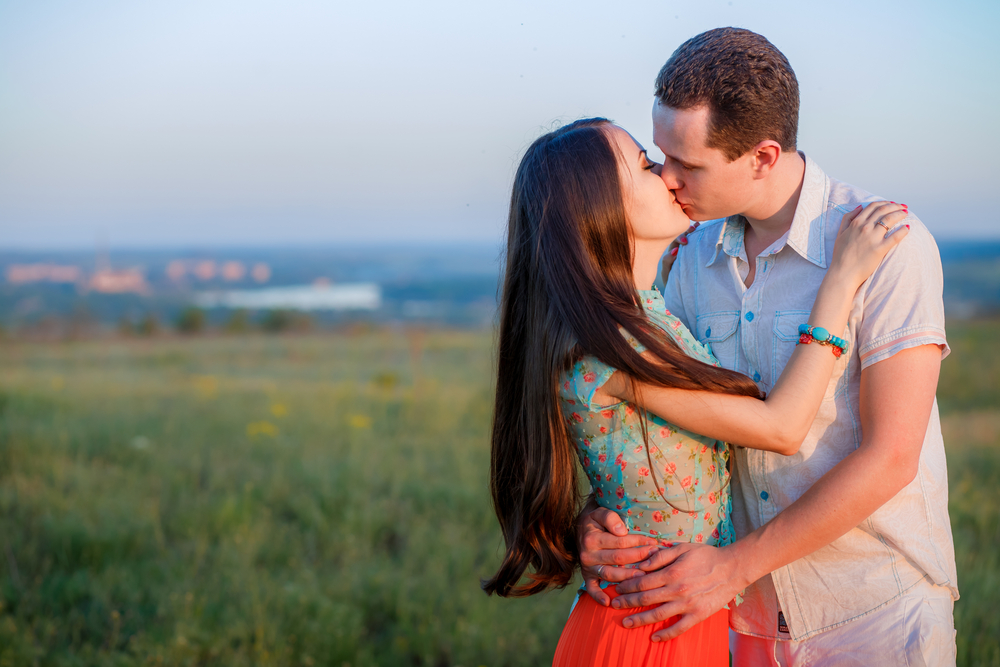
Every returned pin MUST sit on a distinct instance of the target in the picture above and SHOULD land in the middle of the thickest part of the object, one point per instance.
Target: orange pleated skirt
(595, 637)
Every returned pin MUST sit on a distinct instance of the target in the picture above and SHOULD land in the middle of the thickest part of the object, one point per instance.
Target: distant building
(205, 269)
(22, 274)
(353, 296)
(261, 272)
(176, 270)
(233, 271)
(127, 281)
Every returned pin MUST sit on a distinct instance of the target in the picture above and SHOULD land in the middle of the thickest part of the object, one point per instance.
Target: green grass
(318, 501)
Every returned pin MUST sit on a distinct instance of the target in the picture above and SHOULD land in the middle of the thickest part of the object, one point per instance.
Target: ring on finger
(600, 569)
(881, 222)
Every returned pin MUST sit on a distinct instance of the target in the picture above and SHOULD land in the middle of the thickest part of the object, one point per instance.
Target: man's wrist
(745, 562)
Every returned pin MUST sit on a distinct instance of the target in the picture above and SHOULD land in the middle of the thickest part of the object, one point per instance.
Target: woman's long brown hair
(568, 290)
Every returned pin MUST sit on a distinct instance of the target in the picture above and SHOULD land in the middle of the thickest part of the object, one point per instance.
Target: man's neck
(772, 213)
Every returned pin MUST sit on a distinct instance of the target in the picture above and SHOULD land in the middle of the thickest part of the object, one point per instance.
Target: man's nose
(671, 177)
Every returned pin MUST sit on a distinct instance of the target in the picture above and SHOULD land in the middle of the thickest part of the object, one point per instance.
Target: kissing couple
(761, 440)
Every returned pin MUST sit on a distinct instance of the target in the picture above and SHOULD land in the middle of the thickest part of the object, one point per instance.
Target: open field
(319, 501)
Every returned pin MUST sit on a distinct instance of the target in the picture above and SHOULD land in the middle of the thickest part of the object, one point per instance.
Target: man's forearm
(897, 396)
(840, 500)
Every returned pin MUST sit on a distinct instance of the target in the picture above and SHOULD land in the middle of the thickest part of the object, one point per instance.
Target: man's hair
(746, 83)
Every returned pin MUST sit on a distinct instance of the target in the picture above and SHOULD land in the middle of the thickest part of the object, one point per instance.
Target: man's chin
(695, 215)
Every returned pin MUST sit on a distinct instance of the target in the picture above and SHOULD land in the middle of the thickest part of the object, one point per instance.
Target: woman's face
(653, 213)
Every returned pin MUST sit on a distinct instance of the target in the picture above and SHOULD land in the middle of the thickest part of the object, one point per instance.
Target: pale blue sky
(294, 122)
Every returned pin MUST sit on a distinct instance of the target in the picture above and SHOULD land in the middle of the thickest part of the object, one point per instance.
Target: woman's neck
(646, 257)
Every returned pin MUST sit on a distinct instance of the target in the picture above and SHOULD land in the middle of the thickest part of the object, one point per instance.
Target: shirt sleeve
(589, 375)
(903, 300)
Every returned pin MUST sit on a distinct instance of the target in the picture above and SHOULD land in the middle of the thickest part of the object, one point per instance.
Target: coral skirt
(594, 636)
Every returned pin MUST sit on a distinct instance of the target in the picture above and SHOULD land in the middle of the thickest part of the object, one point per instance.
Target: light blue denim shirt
(754, 330)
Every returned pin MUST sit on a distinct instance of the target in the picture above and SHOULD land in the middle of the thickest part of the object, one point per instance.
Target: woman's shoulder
(581, 380)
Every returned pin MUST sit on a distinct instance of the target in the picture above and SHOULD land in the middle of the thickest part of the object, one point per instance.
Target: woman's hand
(671, 255)
(865, 238)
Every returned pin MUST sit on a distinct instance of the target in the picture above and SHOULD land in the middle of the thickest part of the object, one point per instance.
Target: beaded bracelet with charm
(809, 334)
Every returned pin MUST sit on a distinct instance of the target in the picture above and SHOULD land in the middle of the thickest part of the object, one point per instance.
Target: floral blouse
(678, 489)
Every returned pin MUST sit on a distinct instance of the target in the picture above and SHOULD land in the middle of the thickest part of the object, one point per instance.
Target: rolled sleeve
(903, 303)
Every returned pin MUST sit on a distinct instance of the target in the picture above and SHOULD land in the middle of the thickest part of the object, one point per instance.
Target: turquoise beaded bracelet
(808, 334)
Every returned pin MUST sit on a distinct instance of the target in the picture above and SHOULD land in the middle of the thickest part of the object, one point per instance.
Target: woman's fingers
(849, 217)
(895, 236)
(874, 211)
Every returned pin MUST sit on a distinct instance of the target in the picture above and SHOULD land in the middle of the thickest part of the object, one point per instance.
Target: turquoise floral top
(678, 489)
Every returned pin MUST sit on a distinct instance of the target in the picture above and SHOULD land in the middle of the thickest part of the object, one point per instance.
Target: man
(845, 553)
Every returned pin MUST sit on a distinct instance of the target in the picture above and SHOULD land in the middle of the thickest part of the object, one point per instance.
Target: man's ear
(764, 157)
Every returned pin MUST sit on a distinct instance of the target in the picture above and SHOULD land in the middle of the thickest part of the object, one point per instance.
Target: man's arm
(897, 396)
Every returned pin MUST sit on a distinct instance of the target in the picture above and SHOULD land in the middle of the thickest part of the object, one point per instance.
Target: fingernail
(690, 229)
(673, 252)
(616, 604)
(683, 240)
(627, 622)
(605, 602)
(654, 639)
(907, 226)
(859, 207)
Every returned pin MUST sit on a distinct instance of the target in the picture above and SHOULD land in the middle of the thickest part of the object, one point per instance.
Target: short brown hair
(747, 84)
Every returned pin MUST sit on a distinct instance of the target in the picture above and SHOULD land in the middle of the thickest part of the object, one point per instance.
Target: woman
(592, 368)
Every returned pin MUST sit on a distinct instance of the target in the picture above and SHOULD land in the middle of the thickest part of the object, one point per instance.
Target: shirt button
(763, 495)
(749, 317)
(708, 332)
(756, 376)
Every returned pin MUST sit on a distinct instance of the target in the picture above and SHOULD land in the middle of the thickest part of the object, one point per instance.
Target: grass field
(319, 501)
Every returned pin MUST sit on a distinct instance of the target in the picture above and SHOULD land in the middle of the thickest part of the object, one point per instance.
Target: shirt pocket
(718, 331)
(786, 337)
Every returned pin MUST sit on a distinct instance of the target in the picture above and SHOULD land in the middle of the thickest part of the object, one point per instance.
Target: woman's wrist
(842, 275)
(835, 293)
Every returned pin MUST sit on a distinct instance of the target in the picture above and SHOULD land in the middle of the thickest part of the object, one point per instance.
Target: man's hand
(689, 580)
(604, 543)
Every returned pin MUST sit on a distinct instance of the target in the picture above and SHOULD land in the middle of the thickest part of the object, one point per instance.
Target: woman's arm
(780, 423)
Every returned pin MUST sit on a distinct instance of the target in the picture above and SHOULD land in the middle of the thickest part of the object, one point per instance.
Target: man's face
(707, 185)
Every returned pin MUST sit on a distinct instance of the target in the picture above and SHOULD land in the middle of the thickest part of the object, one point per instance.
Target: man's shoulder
(918, 246)
(845, 197)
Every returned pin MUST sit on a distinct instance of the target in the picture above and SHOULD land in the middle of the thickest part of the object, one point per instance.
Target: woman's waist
(669, 525)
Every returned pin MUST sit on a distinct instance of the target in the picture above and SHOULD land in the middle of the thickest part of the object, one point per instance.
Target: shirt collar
(807, 235)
